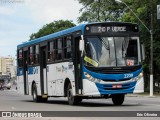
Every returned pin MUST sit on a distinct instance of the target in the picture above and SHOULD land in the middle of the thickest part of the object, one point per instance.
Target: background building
(7, 66)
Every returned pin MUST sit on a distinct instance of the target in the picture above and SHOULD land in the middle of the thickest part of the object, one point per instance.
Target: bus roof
(53, 35)
(64, 32)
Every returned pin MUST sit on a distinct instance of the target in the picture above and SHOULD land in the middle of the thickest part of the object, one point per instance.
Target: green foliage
(52, 28)
(101, 10)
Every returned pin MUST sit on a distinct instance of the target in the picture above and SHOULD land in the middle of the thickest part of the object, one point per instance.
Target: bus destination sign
(113, 29)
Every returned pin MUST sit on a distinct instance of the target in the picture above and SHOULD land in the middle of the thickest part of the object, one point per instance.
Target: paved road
(10, 100)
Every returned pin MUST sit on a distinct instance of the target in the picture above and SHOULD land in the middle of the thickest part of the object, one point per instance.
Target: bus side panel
(37, 80)
(56, 74)
(51, 76)
(20, 85)
(30, 78)
(34, 75)
(139, 87)
(90, 88)
(20, 80)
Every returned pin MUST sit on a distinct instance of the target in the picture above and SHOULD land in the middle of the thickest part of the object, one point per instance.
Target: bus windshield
(110, 51)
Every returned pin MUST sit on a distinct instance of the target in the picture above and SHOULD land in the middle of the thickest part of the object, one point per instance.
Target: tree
(99, 10)
(52, 28)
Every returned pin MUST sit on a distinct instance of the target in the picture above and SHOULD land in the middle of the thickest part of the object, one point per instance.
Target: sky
(20, 18)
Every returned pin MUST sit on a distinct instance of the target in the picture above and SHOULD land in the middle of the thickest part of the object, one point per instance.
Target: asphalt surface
(134, 104)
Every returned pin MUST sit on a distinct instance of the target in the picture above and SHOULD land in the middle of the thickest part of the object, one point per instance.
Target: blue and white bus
(94, 60)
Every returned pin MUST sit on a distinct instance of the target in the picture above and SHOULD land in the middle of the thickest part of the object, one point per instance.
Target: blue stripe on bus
(20, 71)
(31, 70)
(116, 77)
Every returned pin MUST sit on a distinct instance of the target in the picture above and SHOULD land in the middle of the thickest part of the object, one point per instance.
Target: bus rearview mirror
(81, 45)
(143, 51)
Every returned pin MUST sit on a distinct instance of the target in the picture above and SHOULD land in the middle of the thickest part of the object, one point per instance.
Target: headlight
(138, 77)
(89, 77)
(141, 74)
(92, 79)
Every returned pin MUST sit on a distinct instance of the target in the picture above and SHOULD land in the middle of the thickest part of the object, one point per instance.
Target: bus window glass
(55, 50)
(31, 55)
(49, 56)
(67, 47)
(59, 57)
(31, 50)
(50, 51)
(36, 54)
(37, 49)
(132, 53)
(20, 58)
(111, 51)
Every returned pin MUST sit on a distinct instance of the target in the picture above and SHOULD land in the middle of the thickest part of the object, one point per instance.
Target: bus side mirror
(81, 45)
(143, 51)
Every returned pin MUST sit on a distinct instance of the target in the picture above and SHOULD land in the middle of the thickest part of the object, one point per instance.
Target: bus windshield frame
(102, 51)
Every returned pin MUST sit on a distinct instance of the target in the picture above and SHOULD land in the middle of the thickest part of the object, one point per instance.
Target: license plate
(116, 86)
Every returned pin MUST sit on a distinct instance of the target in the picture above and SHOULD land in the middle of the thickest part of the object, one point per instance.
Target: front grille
(114, 70)
(113, 80)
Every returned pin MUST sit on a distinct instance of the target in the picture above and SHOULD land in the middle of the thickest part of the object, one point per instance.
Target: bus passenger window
(50, 51)
(55, 50)
(59, 56)
(20, 58)
(67, 47)
(37, 54)
(31, 55)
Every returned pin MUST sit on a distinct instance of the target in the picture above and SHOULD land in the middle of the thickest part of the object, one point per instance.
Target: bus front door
(43, 70)
(77, 67)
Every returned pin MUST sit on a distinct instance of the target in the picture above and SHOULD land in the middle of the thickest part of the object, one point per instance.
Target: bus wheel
(118, 99)
(36, 98)
(72, 100)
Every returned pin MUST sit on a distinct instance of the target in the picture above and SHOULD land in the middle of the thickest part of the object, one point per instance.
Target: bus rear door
(25, 77)
(43, 70)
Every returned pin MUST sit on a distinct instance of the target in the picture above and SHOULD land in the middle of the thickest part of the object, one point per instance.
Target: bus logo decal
(58, 69)
(35, 70)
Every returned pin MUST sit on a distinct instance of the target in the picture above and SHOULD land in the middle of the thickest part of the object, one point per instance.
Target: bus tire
(118, 99)
(72, 100)
(36, 98)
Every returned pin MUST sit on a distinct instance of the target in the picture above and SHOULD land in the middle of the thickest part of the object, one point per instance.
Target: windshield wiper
(105, 44)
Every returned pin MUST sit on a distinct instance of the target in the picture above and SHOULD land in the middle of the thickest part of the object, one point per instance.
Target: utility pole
(151, 53)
